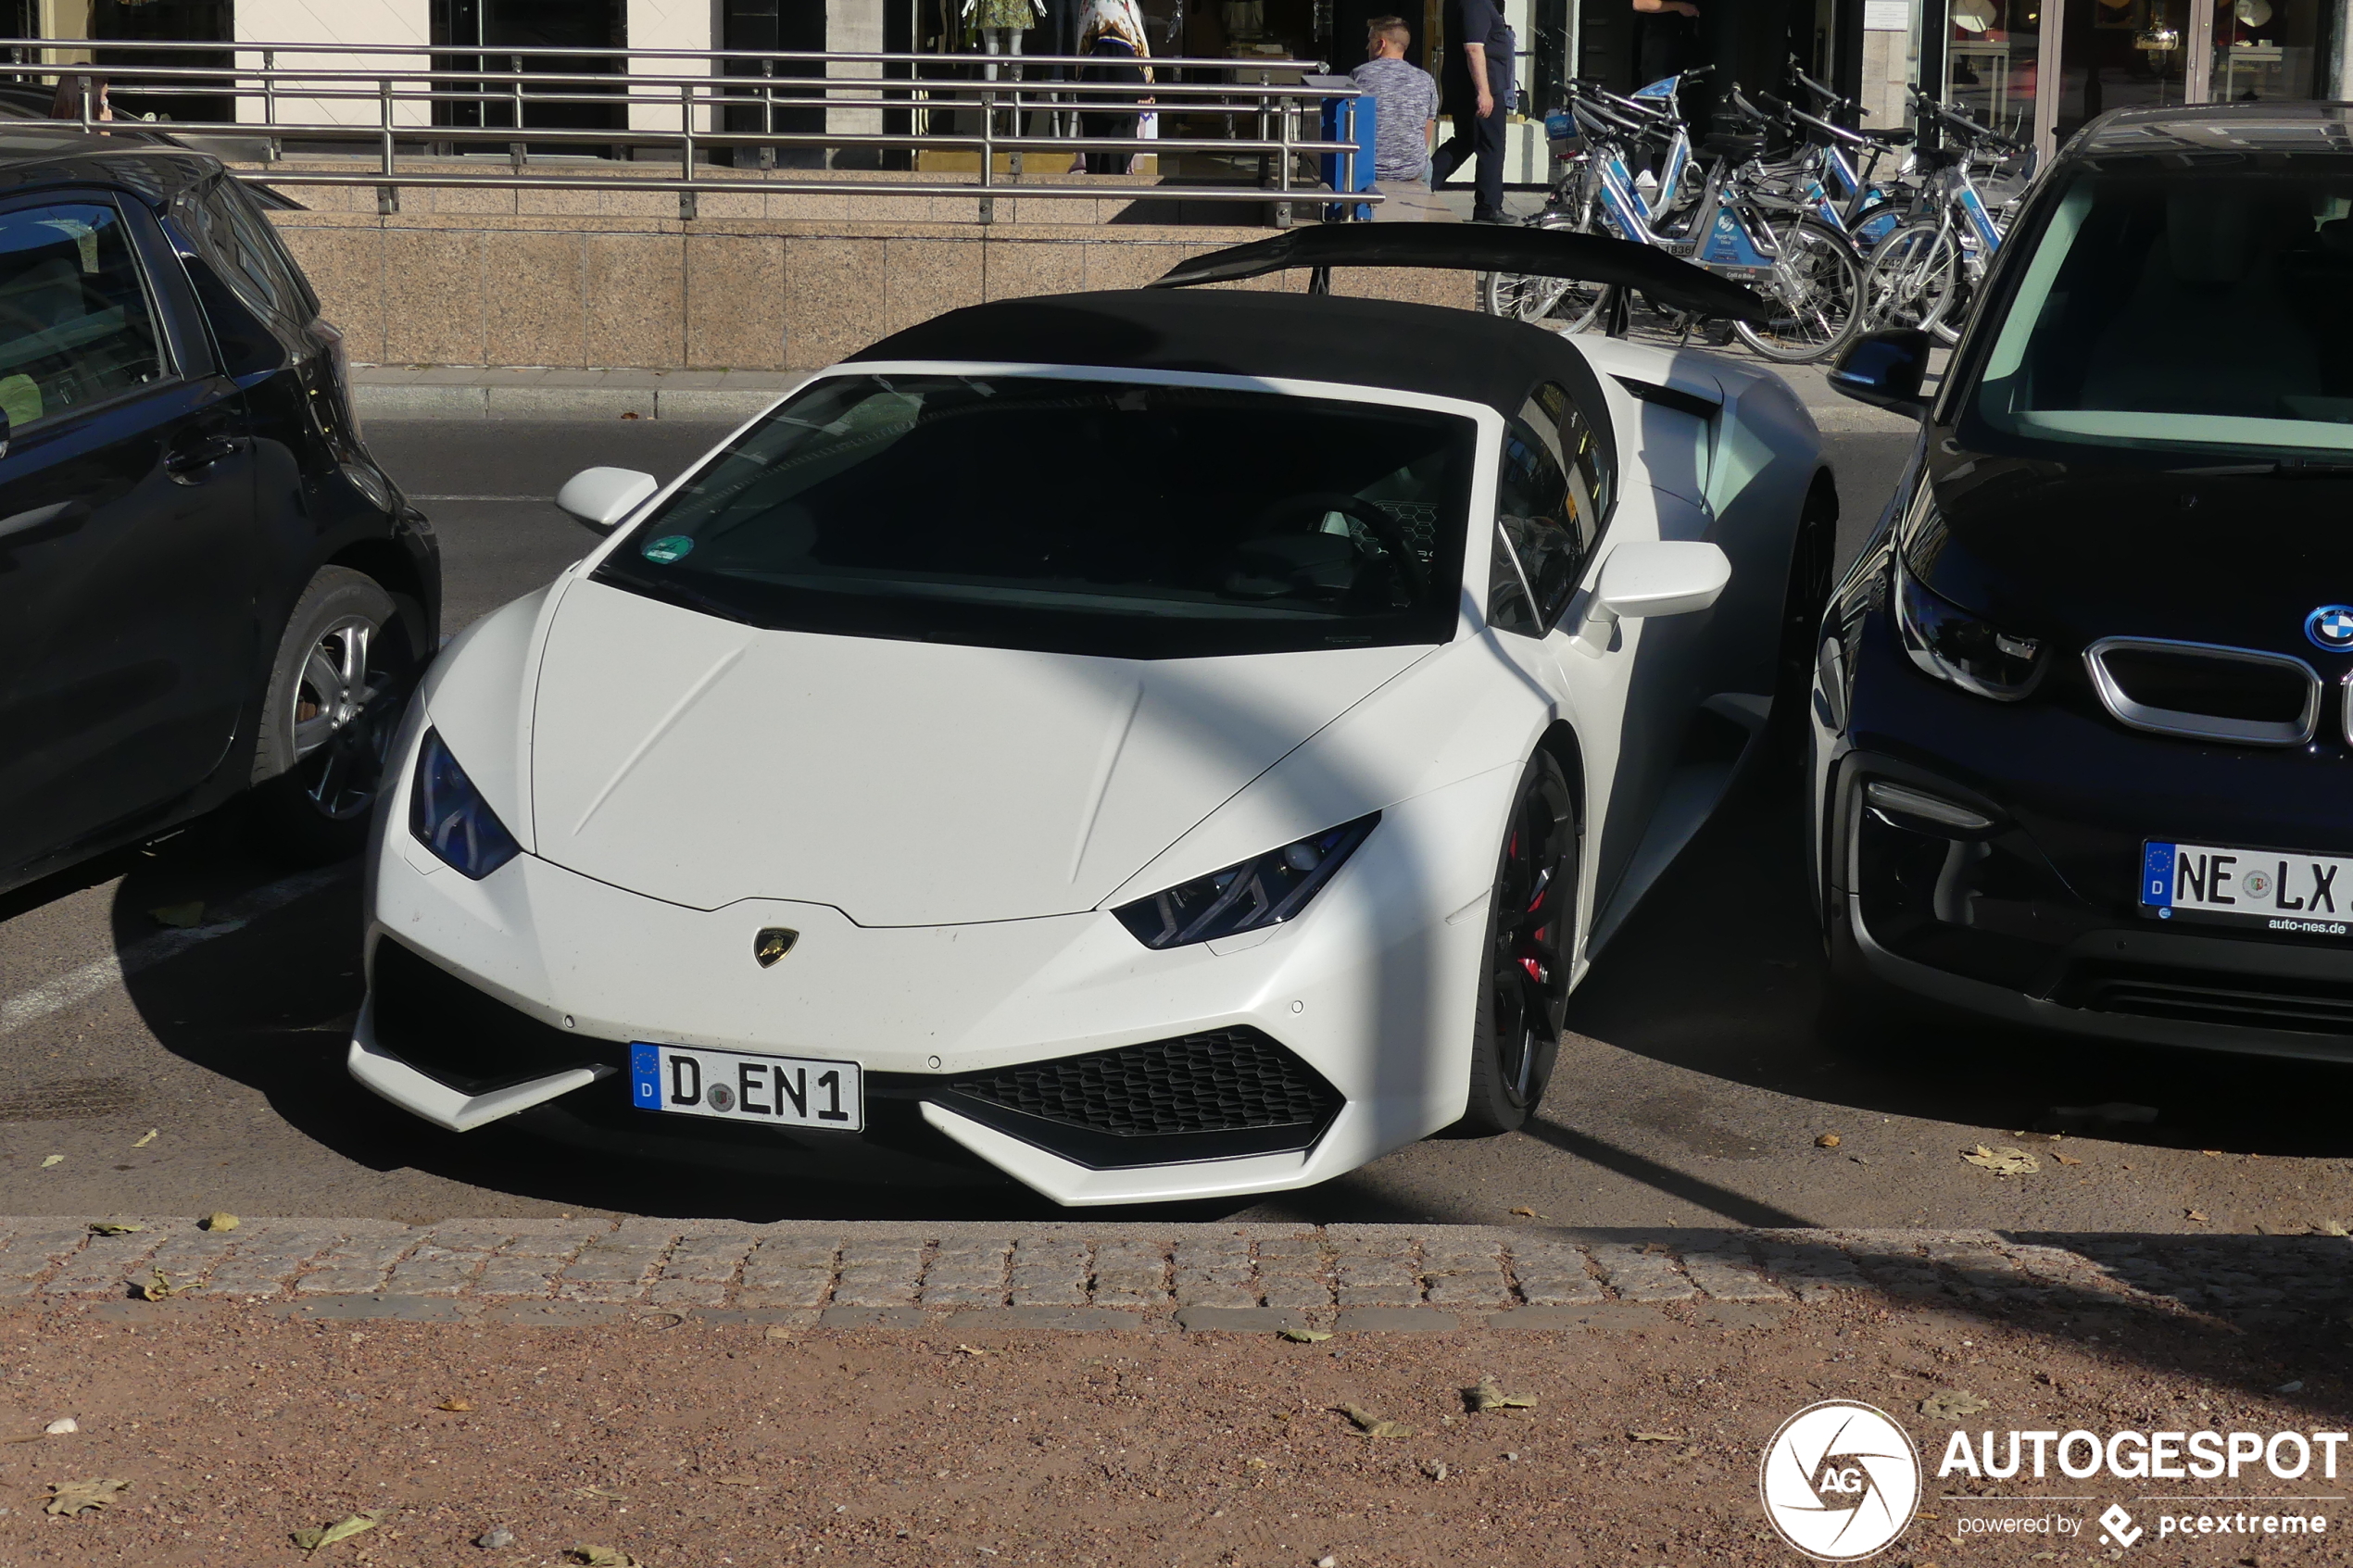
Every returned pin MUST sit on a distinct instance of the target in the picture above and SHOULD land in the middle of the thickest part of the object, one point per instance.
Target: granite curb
(1077, 1274)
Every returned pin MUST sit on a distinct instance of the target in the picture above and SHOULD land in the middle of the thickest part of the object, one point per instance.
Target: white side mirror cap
(1646, 577)
(1662, 577)
(602, 498)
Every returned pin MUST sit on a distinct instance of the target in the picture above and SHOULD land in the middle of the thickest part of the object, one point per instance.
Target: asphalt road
(1692, 1090)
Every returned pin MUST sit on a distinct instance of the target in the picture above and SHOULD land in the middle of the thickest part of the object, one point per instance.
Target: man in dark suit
(1477, 82)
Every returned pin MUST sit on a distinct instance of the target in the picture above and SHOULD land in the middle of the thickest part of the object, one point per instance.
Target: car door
(127, 537)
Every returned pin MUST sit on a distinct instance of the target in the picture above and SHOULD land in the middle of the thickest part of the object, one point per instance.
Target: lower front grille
(474, 1043)
(1211, 1096)
(2236, 1001)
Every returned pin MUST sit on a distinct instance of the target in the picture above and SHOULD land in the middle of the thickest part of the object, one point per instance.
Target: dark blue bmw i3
(2082, 717)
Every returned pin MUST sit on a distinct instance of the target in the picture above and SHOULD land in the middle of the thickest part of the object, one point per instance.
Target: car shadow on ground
(1721, 971)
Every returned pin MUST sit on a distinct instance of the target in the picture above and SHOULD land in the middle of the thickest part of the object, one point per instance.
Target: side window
(76, 324)
(251, 260)
(1534, 518)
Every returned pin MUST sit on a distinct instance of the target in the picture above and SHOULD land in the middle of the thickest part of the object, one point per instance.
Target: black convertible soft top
(1426, 349)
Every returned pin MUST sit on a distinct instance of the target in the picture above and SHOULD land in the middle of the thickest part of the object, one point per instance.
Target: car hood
(702, 761)
(2075, 553)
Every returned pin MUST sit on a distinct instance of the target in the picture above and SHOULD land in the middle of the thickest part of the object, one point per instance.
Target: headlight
(1265, 890)
(1947, 642)
(449, 817)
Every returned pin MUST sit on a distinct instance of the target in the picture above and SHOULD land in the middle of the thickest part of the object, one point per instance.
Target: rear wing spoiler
(1480, 248)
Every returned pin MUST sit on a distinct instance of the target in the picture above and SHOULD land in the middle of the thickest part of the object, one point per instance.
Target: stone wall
(795, 288)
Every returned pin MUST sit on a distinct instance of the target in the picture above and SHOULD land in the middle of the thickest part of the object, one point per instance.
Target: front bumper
(2034, 918)
(494, 997)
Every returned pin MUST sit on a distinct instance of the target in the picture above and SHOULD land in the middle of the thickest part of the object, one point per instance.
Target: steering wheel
(1378, 523)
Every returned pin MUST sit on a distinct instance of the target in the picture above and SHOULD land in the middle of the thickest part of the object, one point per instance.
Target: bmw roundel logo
(2331, 628)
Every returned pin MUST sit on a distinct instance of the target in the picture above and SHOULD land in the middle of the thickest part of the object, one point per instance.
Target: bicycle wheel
(1568, 304)
(1915, 278)
(1815, 291)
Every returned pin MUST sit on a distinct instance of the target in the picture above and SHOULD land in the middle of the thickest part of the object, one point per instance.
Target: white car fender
(479, 696)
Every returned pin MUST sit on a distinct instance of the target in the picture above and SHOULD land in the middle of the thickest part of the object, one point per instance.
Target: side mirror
(602, 498)
(1644, 578)
(1885, 369)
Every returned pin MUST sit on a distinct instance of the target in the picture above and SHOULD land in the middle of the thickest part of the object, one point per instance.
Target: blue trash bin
(1347, 119)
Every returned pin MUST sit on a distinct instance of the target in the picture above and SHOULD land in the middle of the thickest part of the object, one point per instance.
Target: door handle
(60, 517)
(198, 455)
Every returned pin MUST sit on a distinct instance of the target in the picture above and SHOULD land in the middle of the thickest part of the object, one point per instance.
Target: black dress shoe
(1486, 215)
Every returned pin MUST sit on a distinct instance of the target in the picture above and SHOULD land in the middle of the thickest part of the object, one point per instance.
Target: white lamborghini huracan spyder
(1171, 744)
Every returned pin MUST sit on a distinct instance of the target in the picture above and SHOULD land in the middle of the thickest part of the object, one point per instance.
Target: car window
(1534, 516)
(76, 324)
(1125, 519)
(252, 260)
(1592, 481)
(2177, 316)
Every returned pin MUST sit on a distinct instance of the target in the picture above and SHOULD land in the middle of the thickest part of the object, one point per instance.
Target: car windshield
(1073, 516)
(2163, 312)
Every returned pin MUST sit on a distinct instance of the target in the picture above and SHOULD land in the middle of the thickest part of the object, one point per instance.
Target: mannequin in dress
(1000, 24)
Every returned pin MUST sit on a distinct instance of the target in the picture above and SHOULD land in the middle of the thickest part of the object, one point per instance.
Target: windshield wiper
(2283, 468)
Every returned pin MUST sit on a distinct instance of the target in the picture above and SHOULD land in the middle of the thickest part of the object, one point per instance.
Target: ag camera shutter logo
(1841, 1481)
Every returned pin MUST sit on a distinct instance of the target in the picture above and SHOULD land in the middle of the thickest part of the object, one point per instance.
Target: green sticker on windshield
(668, 548)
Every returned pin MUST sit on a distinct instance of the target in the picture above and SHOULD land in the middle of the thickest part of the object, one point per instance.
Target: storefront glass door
(2121, 53)
(1991, 57)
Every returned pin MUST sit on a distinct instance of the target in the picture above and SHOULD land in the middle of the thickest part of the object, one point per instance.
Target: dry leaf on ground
(455, 1404)
(2066, 1158)
(1951, 1404)
(2003, 1162)
(1654, 1437)
(61, 1428)
(2330, 1227)
(182, 917)
(972, 1351)
(70, 1498)
(1371, 1425)
(599, 1492)
(1305, 1336)
(2196, 1216)
(1254, 1463)
(1528, 1213)
(734, 1481)
(108, 1227)
(150, 1138)
(1828, 1140)
(159, 1287)
(341, 1530)
(603, 1557)
(49, 1160)
(221, 1222)
(1485, 1395)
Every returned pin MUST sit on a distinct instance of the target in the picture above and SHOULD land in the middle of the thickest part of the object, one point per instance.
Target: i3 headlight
(449, 817)
(1262, 891)
(1949, 642)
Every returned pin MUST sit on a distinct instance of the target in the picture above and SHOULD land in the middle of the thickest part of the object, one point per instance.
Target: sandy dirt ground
(687, 1441)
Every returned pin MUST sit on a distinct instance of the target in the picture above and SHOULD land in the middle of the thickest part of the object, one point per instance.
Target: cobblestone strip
(788, 1273)
(1644, 1274)
(1132, 1273)
(1292, 1271)
(1554, 1274)
(1213, 1272)
(267, 1254)
(31, 1255)
(968, 1273)
(897, 1269)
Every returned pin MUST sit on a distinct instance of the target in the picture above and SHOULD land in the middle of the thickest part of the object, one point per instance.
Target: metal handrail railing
(451, 81)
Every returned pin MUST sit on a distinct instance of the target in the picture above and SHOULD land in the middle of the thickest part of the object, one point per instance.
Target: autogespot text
(2144, 1456)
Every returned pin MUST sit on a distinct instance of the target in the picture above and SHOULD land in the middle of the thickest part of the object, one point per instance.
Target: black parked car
(2084, 711)
(207, 585)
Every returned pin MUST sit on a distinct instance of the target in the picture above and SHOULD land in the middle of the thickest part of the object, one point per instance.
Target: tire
(345, 666)
(1915, 278)
(1564, 303)
(1523, 985)
(1816, 293)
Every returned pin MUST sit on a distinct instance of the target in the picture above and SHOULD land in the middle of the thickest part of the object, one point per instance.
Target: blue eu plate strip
(645, 1077)
(2156, 875)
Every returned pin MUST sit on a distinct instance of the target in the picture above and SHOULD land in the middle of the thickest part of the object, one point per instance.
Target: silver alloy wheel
(336, 722)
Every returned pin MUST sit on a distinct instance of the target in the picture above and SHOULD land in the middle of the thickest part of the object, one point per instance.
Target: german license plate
(776, 1091)
(2287, 891)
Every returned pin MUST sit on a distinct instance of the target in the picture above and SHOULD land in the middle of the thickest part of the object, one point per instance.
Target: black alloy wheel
(343, 675)
(1532, 921)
